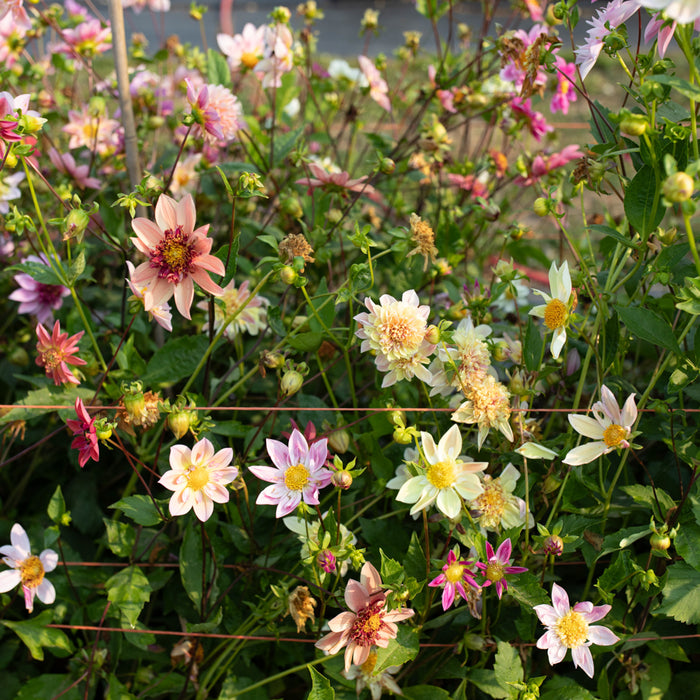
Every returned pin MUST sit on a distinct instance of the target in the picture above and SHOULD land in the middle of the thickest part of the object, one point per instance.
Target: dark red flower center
(49, 294)
(174, 255)
(368, 622)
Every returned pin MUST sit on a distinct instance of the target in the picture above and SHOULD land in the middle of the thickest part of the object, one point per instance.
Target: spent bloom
(455, 574)
(610, 428)
(557, 307)
(497, 507)
(447, 480)
(368, 623)
(341, 180)
(498, 565)
(38, 298)
(85, 440)
(298, 473)
(56, 352)
(570, 628)
(198, 477)
(27, 569)
(252, 313)
(178, 255)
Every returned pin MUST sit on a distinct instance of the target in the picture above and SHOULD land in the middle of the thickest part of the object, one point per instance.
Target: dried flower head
(295, 245)
(424, 238)
(301, 606)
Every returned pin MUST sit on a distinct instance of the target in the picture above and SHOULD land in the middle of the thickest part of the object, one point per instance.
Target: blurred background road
(338, 32)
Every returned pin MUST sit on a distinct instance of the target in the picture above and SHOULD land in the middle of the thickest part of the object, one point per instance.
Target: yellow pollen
(494, 571)
(31, 571)
(442, 474)
(198, 478)
(613, 435)
(52, 358)
(368, 666)
(372, 624)
(176, 255)
(90, 130)
(572, 629)
(296, 477)
(491, 503)
(555, 314)
(454, 572)
(249, 59)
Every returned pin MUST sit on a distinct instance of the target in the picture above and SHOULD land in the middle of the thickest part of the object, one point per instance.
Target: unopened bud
(387, 166)
(501, 351)
(288, 275)
(432, 335)
(134, 403)
(326, 560)
(541, 206)
(272, 360)
(403, 436)
(281, 14)
(339, 441)
(291, 383)
(75, 224)
(554, 545)
(179, 422)
(342, 479)
(633, 124)
(678, 187)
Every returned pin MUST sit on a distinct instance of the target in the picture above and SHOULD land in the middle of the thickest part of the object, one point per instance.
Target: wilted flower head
(198, 477)
(424, 238)
(369, 623)
(27, 569)
(610, 428)
(56, 352)
(178, 255)
(569, 628)
(300, 605)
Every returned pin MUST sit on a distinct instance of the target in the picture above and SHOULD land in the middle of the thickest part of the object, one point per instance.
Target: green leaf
(614, 234)
(140, 509)
(680, 594)
(177, 359)
(645, 495)
(561, 687)
(285, 143)
(320, 686)
(36, 635)
(49, 686)
(391, 571)
(649, 326)
(687, 544)
(643, 205)
(425, 692)
(57, 506)
(669, 648)
(191, 566)
(655, 683)
(129, 590)
(120, 537)
(47, 396)
(690, 296)
(37, 271)
(508, 667)
(414, 562)
(218, 72)
(400, 650)
(305, 342)
(325, 308)
(692, 92)
(616, 575)
(77, 268)
(274, 318)
(612, 339)
(117, 691)
(485, 680)
(526, 589)
(533, 347)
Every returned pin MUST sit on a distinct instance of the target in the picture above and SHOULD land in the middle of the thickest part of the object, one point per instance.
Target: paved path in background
(338, 32)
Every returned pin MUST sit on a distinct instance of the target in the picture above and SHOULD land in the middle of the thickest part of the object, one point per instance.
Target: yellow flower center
(572, 629)
(495, 571)
(296, 477)
(249, 59)
(174, 255)
(367, 623)
(368, 666)
(52, 358)
(555, 314)
(613, 435)
(491, 503)
(90, 131)
(454, 572)
(31, 571)
(442, 474)
(198, 478)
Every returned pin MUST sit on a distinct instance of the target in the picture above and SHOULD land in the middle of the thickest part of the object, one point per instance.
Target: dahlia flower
(570, 628)
(378, 89)
(27, 570)
(178, 254)
(98, 134)
(56, 352)
(252, 319)
(160, 314)
(85, 440)
(497, 566)
(65, 163)
(368, 623)
(365, 676)
(683, 11)
(198, 477)
(298, 473)
(38, 298)
(497, 507)
(610, 428)
(9, 190)
(339, 179)
(454, 575)
(447, 479)
(244, 50)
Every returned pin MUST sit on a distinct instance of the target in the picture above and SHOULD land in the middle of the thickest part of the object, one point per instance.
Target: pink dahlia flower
(454, 575)
(36, 297)
(85, 440)
(498, 565)
(27, 569)
(367, 624)
(245, 50)
(323, 178)
(378, 89)
(65, 163)
(298, 473)
(178, 255)
(570, 628)
(198, 477)
(56, 352)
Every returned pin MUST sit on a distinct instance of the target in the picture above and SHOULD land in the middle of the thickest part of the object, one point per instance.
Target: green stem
(691, 239)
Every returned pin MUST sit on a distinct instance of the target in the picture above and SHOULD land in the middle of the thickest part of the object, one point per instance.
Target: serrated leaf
(533, 346)
(49, 686)
(560, 687)
(526, 589)
(669, 648)
(485, 680)
(414, 562)
(321, 688)
(120, 537)
(680, 594)
(616, 575)
(692, 92)
(400, 650)
(47, 396)
(649, 326)
(507, 667)
(140, 509)
(177, 359)
(37, 271)
(425, 692)
(614, 234)
(645, 495)
(77, 268)
(129, 590)
(218, 72)
(116, 690)
(687, 544)
(391, 570)
(36, 635)
(285, 143)
(274, 318)
(643, 205)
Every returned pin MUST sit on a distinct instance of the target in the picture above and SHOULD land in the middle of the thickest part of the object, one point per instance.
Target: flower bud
(501, 351)
(74, 224)
(179, 422)
(342, 479)
(339, 441)
(291, 383)
(281, 14)
(134, 403)
(554, 545)
(403, 436)
(326, 560)
(678, 187)
(541, 206)
(103, 429)
(633, 124)
(288, 275)
(387, 166)
(432, 335)
(272, 360)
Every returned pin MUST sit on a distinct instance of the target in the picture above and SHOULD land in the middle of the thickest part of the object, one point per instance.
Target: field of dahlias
(327, 378)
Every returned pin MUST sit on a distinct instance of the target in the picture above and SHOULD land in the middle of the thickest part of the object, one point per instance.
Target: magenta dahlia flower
(454, 575)
(498, 565)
